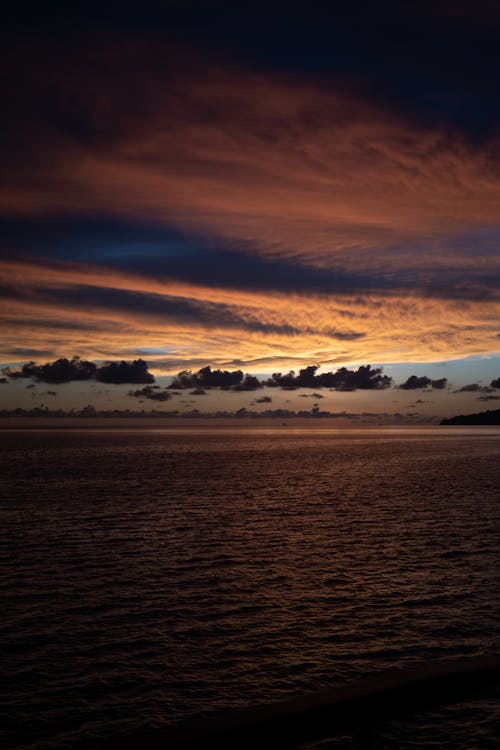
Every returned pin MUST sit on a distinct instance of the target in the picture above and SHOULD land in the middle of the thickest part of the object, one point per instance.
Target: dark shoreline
(490, 417)
(186, 423)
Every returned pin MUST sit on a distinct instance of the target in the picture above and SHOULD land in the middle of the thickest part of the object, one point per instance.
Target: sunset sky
(259, 187)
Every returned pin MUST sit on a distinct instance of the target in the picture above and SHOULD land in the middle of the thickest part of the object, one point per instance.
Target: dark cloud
(474, 388)
(495, 383)
(150, 392)
(206, 313)
(160, 252)
(439, 384)
(125, 372)
(61, 371)
(175, 256)
(488, 398)
(415, 382)
(249, 383)
(343, 379)
(207, 378)
(65, 371)
(263, 400)
(377, 48)
(198, 392)
(3, 380)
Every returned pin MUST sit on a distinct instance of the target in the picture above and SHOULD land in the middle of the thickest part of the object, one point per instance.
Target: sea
(154, 578)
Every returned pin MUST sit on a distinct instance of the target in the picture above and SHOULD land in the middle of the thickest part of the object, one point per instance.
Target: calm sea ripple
(149, 577)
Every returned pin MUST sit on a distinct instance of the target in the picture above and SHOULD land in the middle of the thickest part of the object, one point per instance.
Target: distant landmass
(492, 416)
(89, 413)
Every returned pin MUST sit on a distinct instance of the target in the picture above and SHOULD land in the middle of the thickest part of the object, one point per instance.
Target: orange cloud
(278, 168)
(242, 326)
(290, 168)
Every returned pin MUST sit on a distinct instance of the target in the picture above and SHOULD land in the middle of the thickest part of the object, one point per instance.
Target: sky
(255, 187)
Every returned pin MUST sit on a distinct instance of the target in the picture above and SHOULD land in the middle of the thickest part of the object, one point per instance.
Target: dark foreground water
(150, 577)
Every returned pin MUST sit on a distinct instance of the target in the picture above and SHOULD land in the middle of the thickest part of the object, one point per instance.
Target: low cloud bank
(65, 371)
(414, 383)
(474, 388)
(233, 380)
(226, 380)
(137, 372)
(342, 380)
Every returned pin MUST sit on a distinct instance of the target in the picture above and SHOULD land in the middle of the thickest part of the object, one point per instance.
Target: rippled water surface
(148, 577)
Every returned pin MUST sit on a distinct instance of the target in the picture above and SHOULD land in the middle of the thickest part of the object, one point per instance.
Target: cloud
(474, 388)
(25, 352)
(263, 400)
(227, 324)
(439, 384)
(66, 371)
(279, 215)
(150, 392)
(488, 398)
(224, 379)
(249, 383)
(495, 383)
(235, 154)
(343, 379)
(207, 378)
(415, 382)
(124, 372)
(60, 371)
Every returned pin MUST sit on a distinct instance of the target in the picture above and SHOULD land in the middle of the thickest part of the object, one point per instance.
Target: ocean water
(152, 577)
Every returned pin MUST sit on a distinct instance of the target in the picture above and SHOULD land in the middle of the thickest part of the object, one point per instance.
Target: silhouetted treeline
(492, 416)
(89, 412)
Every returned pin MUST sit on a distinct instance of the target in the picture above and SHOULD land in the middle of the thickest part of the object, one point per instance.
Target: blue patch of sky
(98, 239)
(483, 240)
(474, 369)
